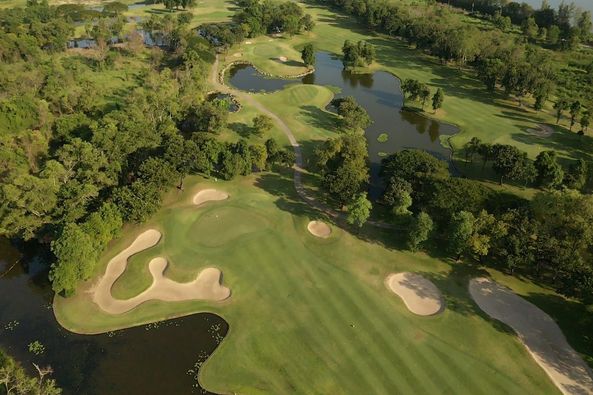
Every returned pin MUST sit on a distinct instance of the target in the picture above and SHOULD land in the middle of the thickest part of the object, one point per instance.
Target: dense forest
(76, 163)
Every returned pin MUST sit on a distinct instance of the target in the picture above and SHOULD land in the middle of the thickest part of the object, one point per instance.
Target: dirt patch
(419, 294)
(205, 287)
(319, 229)
(542, 130)
(538, 332)
(209, 195)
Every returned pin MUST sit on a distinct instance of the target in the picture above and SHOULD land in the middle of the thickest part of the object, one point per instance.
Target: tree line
(547, 238)
(499, 60)
(254, 18)
(553, 25)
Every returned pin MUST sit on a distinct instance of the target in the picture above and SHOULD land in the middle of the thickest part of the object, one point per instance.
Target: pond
(379, 93)
(151, 359)
(154, 39)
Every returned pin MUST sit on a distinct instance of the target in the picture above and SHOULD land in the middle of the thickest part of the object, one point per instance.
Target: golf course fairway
(308, 315)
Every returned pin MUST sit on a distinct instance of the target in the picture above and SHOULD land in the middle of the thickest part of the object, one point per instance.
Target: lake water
(150, 359)
(380, 95)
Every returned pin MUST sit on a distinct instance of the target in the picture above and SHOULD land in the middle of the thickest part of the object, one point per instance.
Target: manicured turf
(313, 316)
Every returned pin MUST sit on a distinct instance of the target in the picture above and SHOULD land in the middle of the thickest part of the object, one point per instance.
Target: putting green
(219, 226)
(311, 315)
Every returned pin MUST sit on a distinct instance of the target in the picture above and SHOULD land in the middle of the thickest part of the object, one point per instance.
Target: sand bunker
(205, 287)
(283, 59)
(319, 229)
(248, 42)
(420, 295)
(209, 195)
(542, 130)
(538, 332)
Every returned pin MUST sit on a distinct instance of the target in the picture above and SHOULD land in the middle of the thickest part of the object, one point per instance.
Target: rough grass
(312, 316)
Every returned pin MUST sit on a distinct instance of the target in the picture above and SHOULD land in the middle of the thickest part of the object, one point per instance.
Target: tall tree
(575, 109)
(308, 55)
(419, 231)
(437, 99)
(461, 229)
(560, 106)
(549, 171)
(359, 210)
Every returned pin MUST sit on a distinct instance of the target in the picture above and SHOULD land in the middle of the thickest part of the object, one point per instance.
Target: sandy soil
(538, 332)
(319, 229)
(205, 287)
(248, 42)
(282, 59)
(420, 295)
(542, 130)
(209, 195)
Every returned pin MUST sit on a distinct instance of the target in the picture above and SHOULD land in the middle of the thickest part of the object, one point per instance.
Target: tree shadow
(574, 318)
(290, 63)
(241, 129)
(318, 118)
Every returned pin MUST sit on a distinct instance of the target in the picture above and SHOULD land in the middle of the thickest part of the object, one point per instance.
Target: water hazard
(161, 358)
(379, 93)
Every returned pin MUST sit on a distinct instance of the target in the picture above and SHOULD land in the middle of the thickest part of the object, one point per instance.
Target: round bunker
(209, 195)
(283, 59)
(319, 229)
(419, 294)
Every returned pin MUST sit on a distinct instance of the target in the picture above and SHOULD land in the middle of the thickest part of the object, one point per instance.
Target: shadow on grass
(241, 129)
(575, 319)
(318, 118)
(290, 63)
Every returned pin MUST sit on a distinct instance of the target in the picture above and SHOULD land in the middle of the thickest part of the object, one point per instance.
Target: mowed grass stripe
(391, 372)
(423, 378)
(274, 274)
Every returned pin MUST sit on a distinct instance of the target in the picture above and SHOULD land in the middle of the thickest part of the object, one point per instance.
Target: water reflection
(150, 359)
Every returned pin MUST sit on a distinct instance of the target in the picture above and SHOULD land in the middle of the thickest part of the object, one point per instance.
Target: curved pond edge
(449, 146)
(222, 73)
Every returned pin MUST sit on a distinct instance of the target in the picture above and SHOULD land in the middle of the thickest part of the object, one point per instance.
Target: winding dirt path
(299, 167)
(538, 332)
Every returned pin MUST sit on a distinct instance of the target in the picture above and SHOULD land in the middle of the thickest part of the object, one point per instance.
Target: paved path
(298, 167)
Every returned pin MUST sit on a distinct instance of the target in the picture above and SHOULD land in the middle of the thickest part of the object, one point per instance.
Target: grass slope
(312, 316)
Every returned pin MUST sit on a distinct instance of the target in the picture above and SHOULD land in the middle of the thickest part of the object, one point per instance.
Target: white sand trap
(205, 287)
(209, 195)
(319, 229)
(538, 332)
(283, 59)
(248, 42)
(419, 294)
